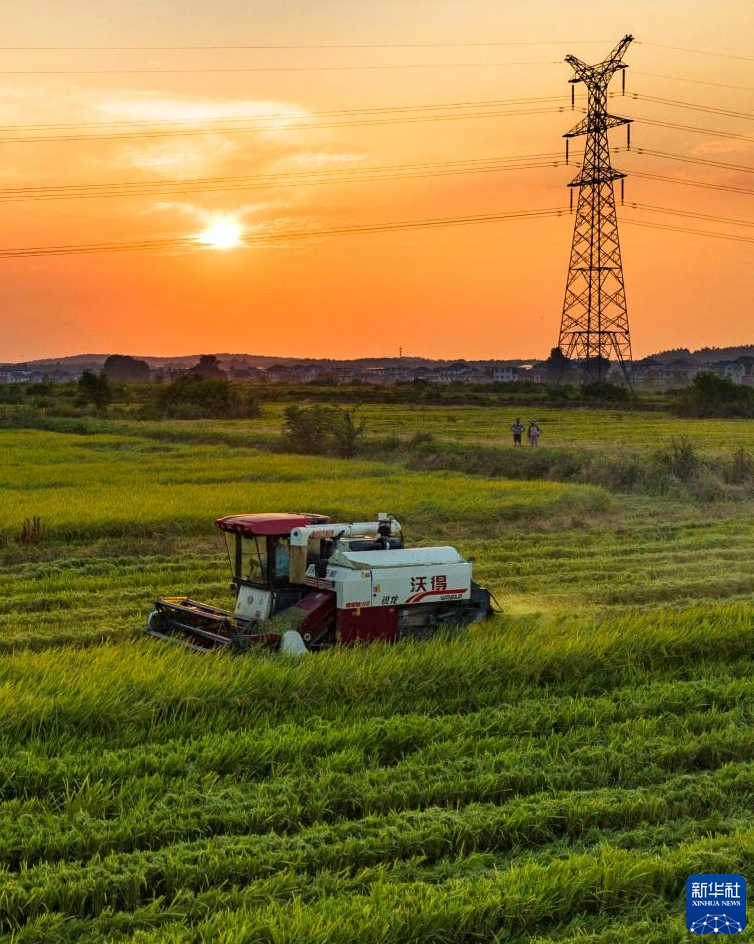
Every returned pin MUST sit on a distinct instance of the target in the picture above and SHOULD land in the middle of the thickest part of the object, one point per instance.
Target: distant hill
(95, 362)
(710, 354)
(236, 361)
(705, 355)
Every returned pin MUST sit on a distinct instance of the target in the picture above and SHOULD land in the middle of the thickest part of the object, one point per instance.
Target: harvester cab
(303, 582)
(259, 550)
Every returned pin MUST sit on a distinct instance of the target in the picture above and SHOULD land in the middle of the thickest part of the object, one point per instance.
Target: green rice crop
(89, 485)
(551, 775)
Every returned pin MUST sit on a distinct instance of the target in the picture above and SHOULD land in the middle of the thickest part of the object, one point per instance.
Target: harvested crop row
(31, 837)
(54, 767)
(522, 898)
(51, 694)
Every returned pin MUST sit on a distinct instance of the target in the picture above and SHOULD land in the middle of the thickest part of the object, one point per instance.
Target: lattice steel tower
(595, 320)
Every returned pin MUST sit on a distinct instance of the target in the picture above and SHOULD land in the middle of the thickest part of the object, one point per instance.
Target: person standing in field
(517, 428)
(534, 433)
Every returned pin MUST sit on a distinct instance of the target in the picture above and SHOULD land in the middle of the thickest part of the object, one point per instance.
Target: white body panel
(301, 536)
(402, 557)
(395, 578)
(253, 603)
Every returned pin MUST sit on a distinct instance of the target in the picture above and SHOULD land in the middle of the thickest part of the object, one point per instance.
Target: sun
(223, 232)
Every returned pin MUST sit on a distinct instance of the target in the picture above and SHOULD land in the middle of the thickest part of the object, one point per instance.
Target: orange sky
(369, 86)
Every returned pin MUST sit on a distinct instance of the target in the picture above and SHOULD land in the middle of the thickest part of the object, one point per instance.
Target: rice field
(554, 774)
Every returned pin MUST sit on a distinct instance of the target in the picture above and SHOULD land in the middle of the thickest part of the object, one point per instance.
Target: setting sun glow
(222, 233)
(355, 165)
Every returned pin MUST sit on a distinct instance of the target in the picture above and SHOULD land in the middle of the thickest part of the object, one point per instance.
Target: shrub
(322, 430)
(123, 367)
(710, 395)
(94, 388)
(602, 390)
(679, 459)
(740, 469)
(194, 396)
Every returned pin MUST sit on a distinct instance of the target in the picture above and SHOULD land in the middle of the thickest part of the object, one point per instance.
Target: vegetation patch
(710, 395)
(553, 774)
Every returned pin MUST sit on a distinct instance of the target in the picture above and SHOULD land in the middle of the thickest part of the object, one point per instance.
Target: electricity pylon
(595, 319)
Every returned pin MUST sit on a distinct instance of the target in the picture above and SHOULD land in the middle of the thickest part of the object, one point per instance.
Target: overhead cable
(693, 128)
(709, 109)
(690, 214)
(688, 232)
(278, 124)
(264, 181)
(700, 52)
(283, 116)
(692, 183)
(186, 243)
(259, 48)
(246, 69)
(722, 165)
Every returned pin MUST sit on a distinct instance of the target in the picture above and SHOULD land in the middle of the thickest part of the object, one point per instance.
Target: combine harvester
(303, 582)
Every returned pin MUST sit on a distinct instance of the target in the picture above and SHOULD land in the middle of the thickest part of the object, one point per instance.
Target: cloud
(154, 107)
(722, 147)
(209, 133)
(180, 158)
(205, 214)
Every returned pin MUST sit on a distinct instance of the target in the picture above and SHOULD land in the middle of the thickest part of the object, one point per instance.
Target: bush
(123, 367)
(194, 396)
(94, 388)
(740, 469)
(710, 395)
(322, 430)
(602, 390)
(679, 459)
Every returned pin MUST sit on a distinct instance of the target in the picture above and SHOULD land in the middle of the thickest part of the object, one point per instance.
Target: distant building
(660, 374)
(734, 371)
(505, 374)
(19, 375)
(459, 371)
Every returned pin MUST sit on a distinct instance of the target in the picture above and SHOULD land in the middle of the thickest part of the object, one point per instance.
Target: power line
(692, 183)
(282, 116)
(680, 78)
(701, 52)
(168, 244)
(696, 130)
(689, 232)
(300, 46)
(453, 45)
(747, 116)
(690, 214)
(353, 175)
(173, 243)
(345, 112)
(289, 124)
(244, 69)
(695, 160)
(375, 117)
